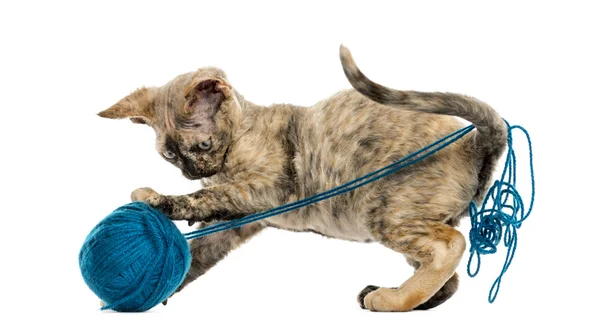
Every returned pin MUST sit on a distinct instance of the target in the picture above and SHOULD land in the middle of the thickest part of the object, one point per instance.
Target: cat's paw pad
(361, 296)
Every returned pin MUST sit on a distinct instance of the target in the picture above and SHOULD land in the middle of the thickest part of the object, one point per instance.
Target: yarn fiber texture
(134, 258)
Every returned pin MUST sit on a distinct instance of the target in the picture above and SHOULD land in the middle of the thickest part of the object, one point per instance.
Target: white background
(64, 168)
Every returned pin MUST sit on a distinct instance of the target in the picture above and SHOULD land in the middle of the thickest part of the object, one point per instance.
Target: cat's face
(194, 117)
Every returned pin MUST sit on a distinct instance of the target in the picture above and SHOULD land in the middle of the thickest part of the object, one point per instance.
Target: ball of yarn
(134, 258)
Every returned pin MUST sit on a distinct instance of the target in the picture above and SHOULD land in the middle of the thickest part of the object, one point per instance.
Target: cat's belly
(342, 226)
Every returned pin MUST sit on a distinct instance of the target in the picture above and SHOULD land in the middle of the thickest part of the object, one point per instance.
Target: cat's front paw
(172, 206)
(145, 194)
(152, 198)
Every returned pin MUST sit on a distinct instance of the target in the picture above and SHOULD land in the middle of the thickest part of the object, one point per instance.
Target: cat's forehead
(172, 94)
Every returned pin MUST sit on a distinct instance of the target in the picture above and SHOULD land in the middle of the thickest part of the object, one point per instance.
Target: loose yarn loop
(134, 258)
(502, 210)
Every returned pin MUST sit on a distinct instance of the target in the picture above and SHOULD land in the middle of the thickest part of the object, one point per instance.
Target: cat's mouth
(190, 176)
(198, 174)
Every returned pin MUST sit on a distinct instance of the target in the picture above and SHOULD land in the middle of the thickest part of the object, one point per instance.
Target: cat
(251, 158)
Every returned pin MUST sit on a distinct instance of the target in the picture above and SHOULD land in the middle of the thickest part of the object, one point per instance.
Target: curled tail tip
(360, 82)
(348, 63)
(344, 52)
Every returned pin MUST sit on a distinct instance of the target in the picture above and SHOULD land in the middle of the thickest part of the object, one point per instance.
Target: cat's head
(194, 117)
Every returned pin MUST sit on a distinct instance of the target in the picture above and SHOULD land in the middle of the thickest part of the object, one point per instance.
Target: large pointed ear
(203, 99)
(137, 107)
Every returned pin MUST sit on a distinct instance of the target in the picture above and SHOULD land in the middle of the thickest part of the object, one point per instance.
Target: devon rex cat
(251, 158)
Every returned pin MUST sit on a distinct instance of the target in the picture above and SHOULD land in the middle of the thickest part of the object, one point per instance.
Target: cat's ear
(203, 99)
(137, 106)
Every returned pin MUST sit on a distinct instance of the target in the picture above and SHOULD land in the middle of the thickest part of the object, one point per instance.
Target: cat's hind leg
(437, 299)
(436, 246)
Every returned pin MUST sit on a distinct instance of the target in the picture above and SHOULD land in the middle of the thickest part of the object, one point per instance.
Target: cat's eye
(205, 145)
(169, 154)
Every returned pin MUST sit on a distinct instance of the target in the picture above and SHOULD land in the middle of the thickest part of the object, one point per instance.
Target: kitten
(251, 158)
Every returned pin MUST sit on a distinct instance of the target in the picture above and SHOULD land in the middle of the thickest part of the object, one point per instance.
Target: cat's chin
(198, 177)
(192, 177)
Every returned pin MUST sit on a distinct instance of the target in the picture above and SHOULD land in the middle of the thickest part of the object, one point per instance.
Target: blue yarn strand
(349, 186)
(502, 210)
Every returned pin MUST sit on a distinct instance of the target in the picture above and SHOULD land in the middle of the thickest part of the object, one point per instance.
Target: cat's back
(349, 135)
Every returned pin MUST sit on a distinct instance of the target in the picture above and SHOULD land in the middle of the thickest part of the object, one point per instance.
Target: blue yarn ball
(134, 258)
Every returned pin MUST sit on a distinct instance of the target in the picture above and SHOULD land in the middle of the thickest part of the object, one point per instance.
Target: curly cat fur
(265, 156)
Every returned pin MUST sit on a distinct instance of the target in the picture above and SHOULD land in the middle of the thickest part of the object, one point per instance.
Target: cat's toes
(143, 194)
(361, 296)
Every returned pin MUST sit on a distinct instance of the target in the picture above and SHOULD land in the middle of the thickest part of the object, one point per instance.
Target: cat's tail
(490, 139)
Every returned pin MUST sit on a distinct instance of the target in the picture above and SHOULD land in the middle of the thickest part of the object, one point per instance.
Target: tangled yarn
(502, 212)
